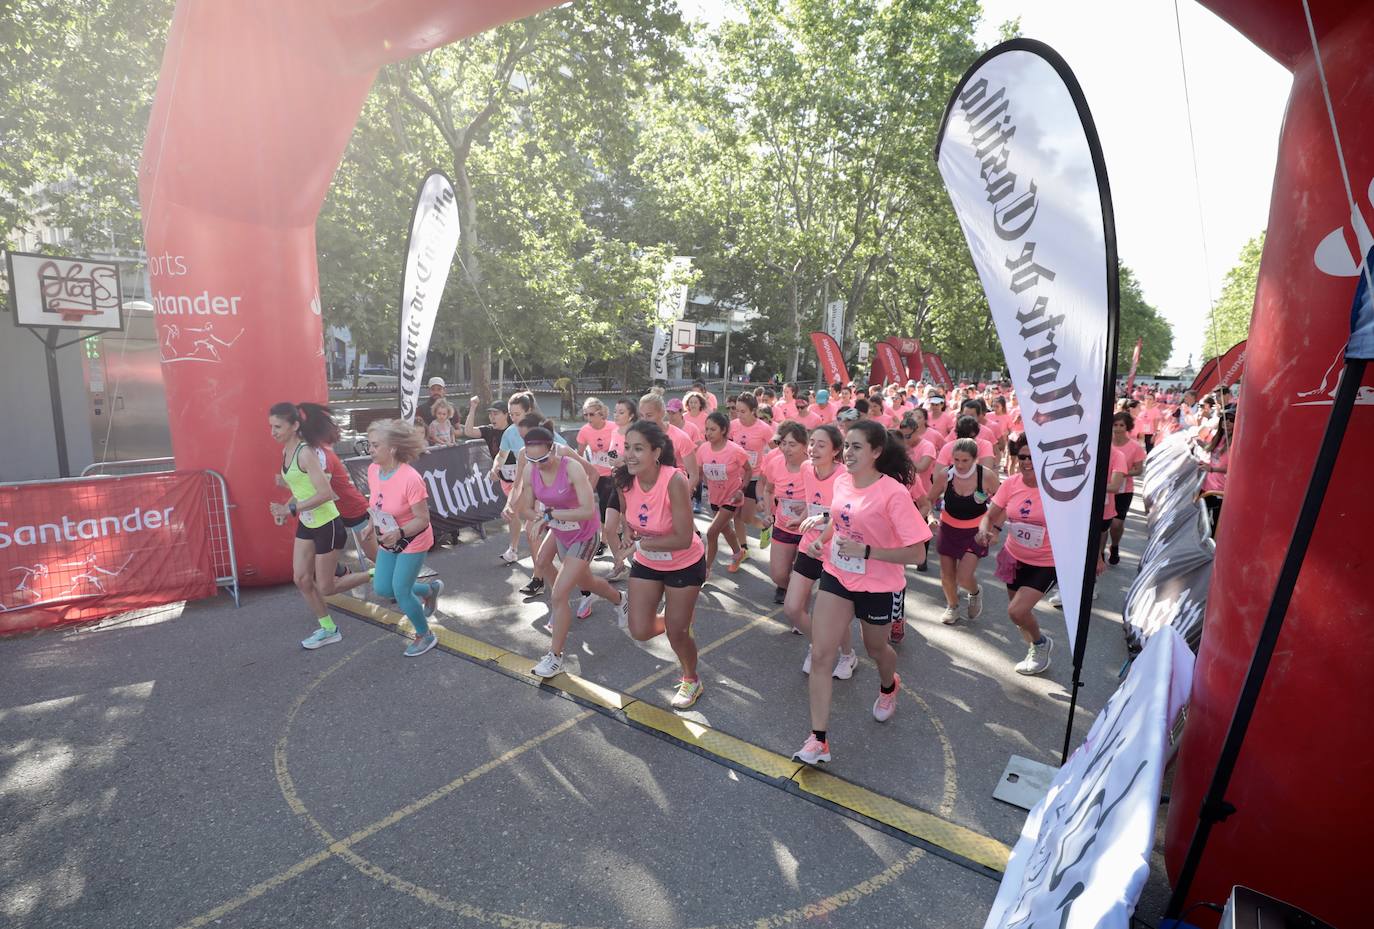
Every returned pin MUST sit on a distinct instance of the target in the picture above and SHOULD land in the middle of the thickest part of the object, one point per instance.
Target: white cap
(437, 382)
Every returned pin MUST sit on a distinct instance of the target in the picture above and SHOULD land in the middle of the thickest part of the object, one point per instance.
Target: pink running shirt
(879, 515)
(650, 513)
(1025, 534)
(723, 471)
(395, 495)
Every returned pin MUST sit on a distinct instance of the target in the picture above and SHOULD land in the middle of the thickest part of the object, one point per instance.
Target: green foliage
(1229, 320)
(789, 152)
(1140, 320)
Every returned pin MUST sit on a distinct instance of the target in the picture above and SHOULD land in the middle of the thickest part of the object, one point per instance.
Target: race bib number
(753, 459)
(792, 511)
(655, 556)
(600, 459)
(714, 472)
(1027, 535)
(847, 563)
(562, 526)
(817, 509)
(383, 521)
(508, 472)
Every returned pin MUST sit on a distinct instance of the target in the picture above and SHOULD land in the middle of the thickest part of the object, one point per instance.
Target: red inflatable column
(1303, 824)
(255, 103)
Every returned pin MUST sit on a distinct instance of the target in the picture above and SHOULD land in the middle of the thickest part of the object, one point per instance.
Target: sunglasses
(1023, 457)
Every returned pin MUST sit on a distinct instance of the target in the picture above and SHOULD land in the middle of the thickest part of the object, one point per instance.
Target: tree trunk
(470, 271)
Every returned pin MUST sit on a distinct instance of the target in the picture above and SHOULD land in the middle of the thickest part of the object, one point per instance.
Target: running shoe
(738, 560)
(950, 616)
(617, 573)
(509, 556)
(1055, 600)
(584, 607)
(886, 704)
(796, 631)
(923, 567)
(600, 549)
(321, 637)
(897, 632)
(436, 587)
(622, 611)
(975, 603)
(845, 665)
(1114, 555)
(813, 751)
(1037, 657)
(766, 537)
(806, 663)
(421, 644)
(688, 693)
(548, 666)
(534, 588)
(779, 595)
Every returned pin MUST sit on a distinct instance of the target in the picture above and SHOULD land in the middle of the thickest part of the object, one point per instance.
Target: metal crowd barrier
(217, 507)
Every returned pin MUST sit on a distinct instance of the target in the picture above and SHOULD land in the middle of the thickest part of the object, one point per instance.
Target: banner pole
(1215, 809)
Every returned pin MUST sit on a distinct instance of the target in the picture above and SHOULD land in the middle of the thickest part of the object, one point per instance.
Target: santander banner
(888, 367)
(1224, 371)
(935, 368)
(832, 362)
(429, 256)
(79, 550)
(1023, 167)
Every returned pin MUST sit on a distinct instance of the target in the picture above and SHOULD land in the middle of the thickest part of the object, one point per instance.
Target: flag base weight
(1024, 783)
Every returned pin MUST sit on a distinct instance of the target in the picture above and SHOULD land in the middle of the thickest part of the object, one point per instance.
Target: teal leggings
(395, 577)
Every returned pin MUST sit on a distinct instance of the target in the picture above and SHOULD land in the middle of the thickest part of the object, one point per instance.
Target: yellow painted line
(466, 644)
(745, 754)
(918, 823)
(929, 828)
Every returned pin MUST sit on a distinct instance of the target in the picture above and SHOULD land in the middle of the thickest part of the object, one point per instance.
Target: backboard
(65, 293)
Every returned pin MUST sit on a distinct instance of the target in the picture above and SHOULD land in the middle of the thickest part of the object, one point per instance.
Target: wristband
(291, 507)
(868, 552)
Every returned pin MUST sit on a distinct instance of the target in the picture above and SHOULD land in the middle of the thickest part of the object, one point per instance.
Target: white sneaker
(548, 666)
(584, 607)
(845, 665)
(950, 616)
(1037, 657)
(622, 610)
(1054, 598)
(509, 556)
(617, 573)
(975, 603)
(806, 665)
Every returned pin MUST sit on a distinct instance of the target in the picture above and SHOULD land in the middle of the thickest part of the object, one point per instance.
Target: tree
(76, 87)
(1229, 319)
(1140, 320)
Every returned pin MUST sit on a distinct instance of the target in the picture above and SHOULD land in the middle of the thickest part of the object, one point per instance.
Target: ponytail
(893, 459)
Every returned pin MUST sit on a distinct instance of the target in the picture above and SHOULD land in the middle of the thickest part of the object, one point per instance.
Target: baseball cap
(437, 382)
(496, 408)
(673, 406)
(822, 395)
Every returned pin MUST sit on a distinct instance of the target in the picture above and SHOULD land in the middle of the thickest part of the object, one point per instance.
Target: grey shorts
(584, 550)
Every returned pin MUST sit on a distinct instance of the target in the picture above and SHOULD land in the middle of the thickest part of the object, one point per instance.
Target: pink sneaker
(813, 751)
(886, 704)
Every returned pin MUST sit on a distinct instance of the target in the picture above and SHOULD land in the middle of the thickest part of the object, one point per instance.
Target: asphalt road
(198, 768)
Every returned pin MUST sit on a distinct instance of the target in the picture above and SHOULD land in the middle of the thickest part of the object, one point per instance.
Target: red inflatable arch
(255, 103)
(1302, 781)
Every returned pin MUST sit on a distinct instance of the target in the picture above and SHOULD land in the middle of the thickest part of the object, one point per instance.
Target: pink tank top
(561, 495)
(650, 513)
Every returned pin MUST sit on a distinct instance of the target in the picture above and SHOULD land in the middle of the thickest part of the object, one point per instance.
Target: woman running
(626, 415)
(869, 536)
(400, 517)
(596, 441)
(519, 406)
(304, 431)
(558, 494)
(1217, 463)
(966, 486)
(1135, 467)
(536, 530)
(1026, 562)
(725, 471)
(967, 427)
(755, 437)
(669, 560)
(920, 442)
(818, 473)
(782, 490)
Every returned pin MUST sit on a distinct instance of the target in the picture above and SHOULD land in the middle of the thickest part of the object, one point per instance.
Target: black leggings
(1213, 512)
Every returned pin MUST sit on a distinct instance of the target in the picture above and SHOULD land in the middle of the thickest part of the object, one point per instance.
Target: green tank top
(303, 488)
